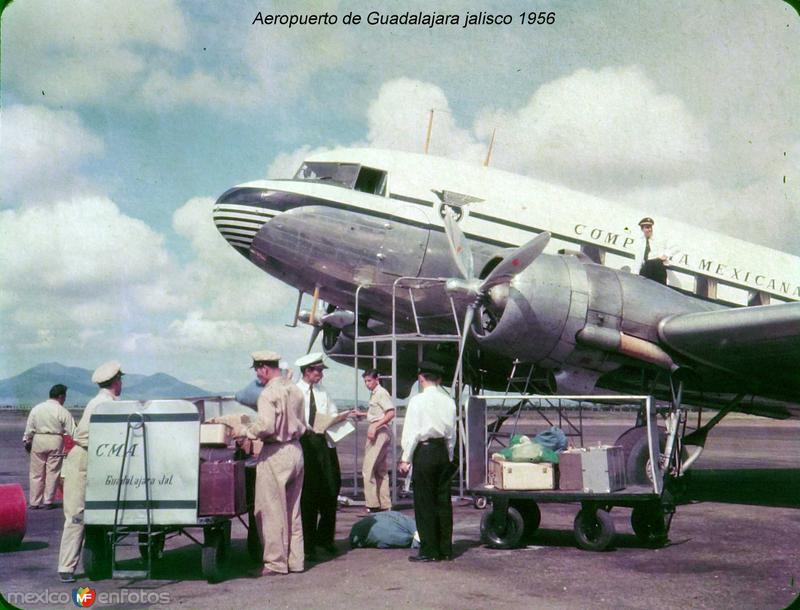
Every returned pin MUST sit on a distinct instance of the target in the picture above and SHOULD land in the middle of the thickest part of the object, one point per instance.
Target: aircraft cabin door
(405, 241)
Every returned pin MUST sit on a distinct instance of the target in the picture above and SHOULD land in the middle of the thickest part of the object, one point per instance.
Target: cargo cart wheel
(254, 548)
(480, 502)
(649, 526)
(531, 515)
(96, 553)
(593, 528)
(498, 537)
(156, 546)
(214, 554)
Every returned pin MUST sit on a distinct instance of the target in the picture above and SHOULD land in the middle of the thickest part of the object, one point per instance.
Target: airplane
(537, 273)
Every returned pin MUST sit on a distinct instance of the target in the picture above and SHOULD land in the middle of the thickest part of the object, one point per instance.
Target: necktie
(312, 407)
(646, 249)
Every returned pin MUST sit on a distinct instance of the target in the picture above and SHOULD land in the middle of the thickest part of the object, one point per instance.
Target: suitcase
(521, 475)
(570, 470)
(603, 469)
(222, 489)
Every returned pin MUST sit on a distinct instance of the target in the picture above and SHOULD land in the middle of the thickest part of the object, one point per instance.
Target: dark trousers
(655, 270)
(322, 480)
(433, 509)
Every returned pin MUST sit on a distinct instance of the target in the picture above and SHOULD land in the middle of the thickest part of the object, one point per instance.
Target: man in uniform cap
(109, 377)
(279, 472)
(322, 474)
(428, 441)
(44, 439)
(651, 256)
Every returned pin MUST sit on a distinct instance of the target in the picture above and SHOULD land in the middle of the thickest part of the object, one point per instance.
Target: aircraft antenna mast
(428, 134)
(489, 152)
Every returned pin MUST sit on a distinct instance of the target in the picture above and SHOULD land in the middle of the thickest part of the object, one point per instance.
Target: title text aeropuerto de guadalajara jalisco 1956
(418, 19)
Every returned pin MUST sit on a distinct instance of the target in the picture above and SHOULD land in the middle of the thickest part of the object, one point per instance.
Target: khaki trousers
(45, 468)
(376, 471)
(74, 502)
(279, 483)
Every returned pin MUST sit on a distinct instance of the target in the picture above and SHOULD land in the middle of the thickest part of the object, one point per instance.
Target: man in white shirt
(44, 439)
(109, 377)
(428, 441)
(322, 479)
(651, 255)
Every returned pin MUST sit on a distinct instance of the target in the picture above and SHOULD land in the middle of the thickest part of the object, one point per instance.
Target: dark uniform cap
(646, 221)
(426, 366)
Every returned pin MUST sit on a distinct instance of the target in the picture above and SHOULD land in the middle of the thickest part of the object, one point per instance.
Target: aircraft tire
(593, 529)
(496, 538)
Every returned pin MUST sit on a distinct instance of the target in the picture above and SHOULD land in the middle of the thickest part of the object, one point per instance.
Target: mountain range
(33, 386)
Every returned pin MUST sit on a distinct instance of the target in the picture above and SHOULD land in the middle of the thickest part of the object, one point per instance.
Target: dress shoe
(66, 577)
(329, 549)
(34, 506)
(422, 558)
(263, 571)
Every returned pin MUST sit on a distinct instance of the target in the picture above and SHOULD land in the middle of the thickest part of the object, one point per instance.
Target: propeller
(468, 285)
(318, 323)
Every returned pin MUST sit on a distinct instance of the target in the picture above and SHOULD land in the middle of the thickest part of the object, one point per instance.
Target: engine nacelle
(538, 318)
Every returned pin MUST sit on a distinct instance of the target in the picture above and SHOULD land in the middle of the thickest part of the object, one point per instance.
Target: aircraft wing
(758, 346)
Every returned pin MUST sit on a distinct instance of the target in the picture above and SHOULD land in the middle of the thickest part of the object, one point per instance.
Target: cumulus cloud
(86, 51)
(41, 151)
(600, 129)
(230, 287)
(78, 264)
(403, 106)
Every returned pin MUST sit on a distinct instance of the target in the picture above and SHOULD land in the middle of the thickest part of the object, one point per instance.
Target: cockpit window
(348, 175)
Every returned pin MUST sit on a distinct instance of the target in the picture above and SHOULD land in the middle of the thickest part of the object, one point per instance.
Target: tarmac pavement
(720, 555)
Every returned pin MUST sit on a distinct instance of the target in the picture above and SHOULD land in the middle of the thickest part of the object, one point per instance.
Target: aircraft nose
(240, 213)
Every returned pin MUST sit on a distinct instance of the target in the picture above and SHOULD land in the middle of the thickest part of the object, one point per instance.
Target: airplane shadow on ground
(759, 487)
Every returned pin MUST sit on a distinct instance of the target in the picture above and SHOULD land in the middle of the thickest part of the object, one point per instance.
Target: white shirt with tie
(324, 403)
(430, 414)
(658, 248)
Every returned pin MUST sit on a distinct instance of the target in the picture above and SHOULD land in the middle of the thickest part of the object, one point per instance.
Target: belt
(432, 441)
(50, 433)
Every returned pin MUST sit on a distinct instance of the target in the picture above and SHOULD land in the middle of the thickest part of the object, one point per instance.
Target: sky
(121, 123)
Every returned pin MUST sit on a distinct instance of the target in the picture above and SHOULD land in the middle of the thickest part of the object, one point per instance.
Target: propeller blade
(314, 334)
(516, 261)
(468, 315)
(459, 247)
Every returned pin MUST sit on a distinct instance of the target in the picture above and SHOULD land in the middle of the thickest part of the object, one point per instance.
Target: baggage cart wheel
(214, 553)
(155, 547)
(593, 528)
(96, 553)
(531, 515)
(254, 548)
(649, 525)
(499, 537)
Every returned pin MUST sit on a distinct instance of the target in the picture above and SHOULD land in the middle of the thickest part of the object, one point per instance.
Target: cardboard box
(521, 475)
(215, 435)
(222, 489)
(603, 469)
